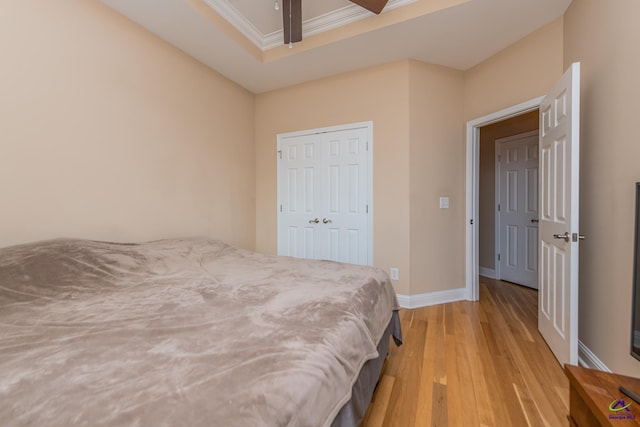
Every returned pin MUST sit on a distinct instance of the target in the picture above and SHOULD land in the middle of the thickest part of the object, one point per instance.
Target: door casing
(472, 288)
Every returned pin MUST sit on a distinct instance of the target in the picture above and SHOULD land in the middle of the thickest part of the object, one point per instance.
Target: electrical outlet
(394, 273)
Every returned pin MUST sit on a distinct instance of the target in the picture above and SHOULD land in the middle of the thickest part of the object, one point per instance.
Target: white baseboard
(432, 298)
(488, 272)
(588, 359)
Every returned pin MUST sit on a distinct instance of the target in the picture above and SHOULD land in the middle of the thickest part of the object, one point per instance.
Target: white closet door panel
(346, 195)
(299, 184)
(326, 177)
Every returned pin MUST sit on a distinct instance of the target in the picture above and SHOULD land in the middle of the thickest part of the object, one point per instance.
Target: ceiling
(266, 19)
(242, 39)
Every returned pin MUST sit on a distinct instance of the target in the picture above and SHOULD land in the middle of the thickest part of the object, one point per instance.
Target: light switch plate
(394, 273)
(444, 203)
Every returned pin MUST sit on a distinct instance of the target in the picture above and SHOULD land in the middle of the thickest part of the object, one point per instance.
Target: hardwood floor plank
(407, 371)
(455, 407)
(479, 376)
(428, 366)
(469, 416)
(472, 364)
(378, 408)
(439, 405)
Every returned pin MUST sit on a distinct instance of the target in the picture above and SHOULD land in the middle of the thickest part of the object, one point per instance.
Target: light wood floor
(472, 364)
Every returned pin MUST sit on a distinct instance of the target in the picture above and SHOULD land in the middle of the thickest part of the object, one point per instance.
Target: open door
(558, 227)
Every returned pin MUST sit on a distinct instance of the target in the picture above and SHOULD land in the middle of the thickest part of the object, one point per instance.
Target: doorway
(474, 169)
(559, 232)
(508, 200)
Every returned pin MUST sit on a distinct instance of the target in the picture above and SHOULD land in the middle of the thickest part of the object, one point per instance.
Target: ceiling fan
(292, 16)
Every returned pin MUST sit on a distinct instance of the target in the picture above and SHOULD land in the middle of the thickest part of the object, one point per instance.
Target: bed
(187, 332)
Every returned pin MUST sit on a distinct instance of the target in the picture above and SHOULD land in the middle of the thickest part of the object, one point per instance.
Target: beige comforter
(188, 332)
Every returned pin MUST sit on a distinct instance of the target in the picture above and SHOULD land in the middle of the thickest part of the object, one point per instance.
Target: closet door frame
(282, 247)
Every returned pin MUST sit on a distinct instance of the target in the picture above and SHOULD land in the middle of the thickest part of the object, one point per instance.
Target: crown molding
(319, 24)
(235, 18)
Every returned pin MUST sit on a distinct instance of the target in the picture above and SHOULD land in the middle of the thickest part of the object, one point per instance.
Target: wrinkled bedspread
(187, 332)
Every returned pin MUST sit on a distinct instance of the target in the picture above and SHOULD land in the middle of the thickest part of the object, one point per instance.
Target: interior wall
(487, 183)
(523, 71)
(379, 94)
(107, 132)
(410, 230)
(436, 170)
(610, 90)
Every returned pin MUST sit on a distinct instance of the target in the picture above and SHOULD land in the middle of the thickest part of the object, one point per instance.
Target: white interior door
(559, 179)
(324, 191)
(518, 209)
(344, 211)
(300, 195)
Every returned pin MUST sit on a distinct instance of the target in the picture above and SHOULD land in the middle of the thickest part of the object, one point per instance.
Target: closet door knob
(326, 221)
(314, 221)
(564, 236)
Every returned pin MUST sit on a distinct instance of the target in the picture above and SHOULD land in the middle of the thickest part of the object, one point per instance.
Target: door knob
(314, 221)
(535, 221)
(564, 236)
(326, 221)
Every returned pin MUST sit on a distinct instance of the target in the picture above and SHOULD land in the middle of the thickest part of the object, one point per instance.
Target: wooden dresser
(592, 392)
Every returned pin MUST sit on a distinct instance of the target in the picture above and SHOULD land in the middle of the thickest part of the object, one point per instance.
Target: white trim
(488, 272)
(349, 126)
(235, 18)
(316, 25)
(431, 298)
(472, 189)
(497, 244)
(588, 359)
(337, 128)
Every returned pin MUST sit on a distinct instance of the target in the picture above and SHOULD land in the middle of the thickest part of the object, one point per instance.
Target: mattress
(182, 332)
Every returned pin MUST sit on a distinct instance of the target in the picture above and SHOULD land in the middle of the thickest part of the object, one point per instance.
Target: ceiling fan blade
(374, 6)
(292, 20)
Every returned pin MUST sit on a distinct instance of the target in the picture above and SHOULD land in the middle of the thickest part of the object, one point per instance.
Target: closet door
(324, 189)
(344, 216)
(299, 192)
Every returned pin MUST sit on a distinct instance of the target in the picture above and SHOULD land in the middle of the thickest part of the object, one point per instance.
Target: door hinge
(280, 154)
(471, 221)
(280, 208)
(367, 146)
(498, 257)
(498, 207)
(499, 157)
(367, 208)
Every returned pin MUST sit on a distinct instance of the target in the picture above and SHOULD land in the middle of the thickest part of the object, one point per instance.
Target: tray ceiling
(242, 39)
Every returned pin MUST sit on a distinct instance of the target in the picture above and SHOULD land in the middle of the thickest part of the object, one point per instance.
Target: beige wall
(487, 183)
(379, 94)
(106, 132)
(523, 71)
(416, 110)
(436, 170)
(610, 150)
